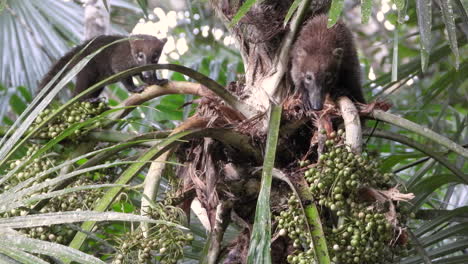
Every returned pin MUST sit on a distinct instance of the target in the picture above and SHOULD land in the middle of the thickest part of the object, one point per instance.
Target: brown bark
(97, 19)
(220, 174)
(259, 36)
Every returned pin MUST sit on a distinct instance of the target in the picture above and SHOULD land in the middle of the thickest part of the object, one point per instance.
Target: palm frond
(32, 34)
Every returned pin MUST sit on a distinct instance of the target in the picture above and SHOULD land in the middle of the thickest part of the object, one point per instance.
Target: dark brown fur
(111, 60)
(324, 60)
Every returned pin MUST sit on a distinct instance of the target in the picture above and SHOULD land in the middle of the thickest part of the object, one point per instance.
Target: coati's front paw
(136, 89)
(161, 82)
(139, 89)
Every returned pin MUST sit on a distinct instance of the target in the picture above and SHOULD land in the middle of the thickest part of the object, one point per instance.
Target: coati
(138, 50)
(324, 60)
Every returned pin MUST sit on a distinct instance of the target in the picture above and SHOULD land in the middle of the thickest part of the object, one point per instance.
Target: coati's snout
(316, 91)
(316, 99)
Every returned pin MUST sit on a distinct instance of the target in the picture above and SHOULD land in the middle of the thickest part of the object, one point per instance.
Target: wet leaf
(366, 10)
(291, 11)
(243, 10)
(22, 243)
(2, 5)
(443, 218)
(449, 20)
(144, 6)
(335, 12)
(17, 104)
(48, 219)
(18, 255)
(463, 13)
(448, 232)
(260, 241)
(400, 4)
(419, 248)
(413, 67)
(106, 5)
(424, 13)
(395, 56)
(25, 93)
(444, 82)
(125, 177)
(444, 250)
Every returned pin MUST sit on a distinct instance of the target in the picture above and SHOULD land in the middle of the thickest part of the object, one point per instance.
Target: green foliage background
(421, 68)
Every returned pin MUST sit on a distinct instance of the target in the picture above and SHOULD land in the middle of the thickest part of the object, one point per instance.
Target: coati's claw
(139, 89)
(161, 82)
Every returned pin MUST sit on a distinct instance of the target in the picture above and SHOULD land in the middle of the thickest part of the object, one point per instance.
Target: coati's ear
(301, 53)
(164, 40)
(338, 52)
(133, 40)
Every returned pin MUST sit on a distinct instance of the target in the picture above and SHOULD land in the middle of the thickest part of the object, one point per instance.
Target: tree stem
(223, 211)
(423, 148)
(420, 130)
(318, 237)
(154, 175)
(352, 124)
(282, 58)
(154, 91)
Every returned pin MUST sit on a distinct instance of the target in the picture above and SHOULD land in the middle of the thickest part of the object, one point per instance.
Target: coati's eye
(140, 56)
(156, 57)
(308, 78)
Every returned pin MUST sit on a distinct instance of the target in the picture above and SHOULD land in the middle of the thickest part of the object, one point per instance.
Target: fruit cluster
(76, 113)
(40, 164)
(359, 228)
(74, 201)
(165, 240)
(292, 223)
(337, 178)
(165, 245)
(57, 233)
(363, 237)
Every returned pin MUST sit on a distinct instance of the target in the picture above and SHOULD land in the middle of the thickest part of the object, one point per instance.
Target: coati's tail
(60, 64)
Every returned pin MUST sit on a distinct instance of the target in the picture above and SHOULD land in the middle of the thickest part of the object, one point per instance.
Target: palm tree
(238, 139)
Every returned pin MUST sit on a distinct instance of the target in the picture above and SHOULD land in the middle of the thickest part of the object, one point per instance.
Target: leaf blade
(424, 14)
(449, 20)
(366, 10)
(246, 6)
(144, 6)
(395, 55)
(259, 249)
(106, 5)
(400, 4)
(335, 12)
(124, 178)
(291, 11)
